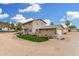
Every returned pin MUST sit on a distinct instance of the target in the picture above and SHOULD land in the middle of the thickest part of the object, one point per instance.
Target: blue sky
(52, 11)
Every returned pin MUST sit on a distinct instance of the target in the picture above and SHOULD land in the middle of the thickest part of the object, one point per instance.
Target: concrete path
(11, 45)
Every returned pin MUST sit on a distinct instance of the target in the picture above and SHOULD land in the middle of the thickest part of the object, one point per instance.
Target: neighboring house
(5, 29)
(4, 26)
(31, 27)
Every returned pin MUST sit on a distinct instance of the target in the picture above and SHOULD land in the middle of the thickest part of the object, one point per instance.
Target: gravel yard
(13, 46)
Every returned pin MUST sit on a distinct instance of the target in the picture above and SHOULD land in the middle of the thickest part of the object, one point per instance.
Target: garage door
(59, 32)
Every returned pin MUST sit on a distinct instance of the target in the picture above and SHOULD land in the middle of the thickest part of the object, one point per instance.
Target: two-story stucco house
(38, 27)
(31, 27)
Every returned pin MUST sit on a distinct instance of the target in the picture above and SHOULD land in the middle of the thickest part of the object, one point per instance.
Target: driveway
(13, 46)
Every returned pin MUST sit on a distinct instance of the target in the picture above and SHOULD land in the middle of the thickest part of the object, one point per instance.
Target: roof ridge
(34, 20)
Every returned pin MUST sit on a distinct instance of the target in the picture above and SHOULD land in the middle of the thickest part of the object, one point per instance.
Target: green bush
(33, 38)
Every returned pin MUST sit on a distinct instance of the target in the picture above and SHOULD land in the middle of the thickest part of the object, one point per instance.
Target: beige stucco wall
(32, 26)
(37, 24)
(65, 31)
(48, 32)
(60, 30)
(28, 27)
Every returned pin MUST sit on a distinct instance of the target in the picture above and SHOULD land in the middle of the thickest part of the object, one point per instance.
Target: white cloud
(2, 16)
(48, 21)
(33, 8)
(71, 15)
(20, 18)
(10, 22)
(35, 3)
(30, 19)
(62, 19)
(0, 10)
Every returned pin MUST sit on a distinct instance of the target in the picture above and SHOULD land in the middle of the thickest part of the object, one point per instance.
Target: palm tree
(67, 23)
(52, 23)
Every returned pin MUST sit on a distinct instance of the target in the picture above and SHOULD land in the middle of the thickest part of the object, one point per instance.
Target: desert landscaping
(11, 45)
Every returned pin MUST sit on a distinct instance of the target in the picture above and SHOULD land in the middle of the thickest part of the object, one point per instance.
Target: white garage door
(59, 32)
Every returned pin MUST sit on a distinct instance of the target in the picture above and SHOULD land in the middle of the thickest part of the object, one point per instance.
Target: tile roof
(50, 27)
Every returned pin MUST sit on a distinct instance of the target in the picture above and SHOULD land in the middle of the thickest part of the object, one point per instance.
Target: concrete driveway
(11, 45)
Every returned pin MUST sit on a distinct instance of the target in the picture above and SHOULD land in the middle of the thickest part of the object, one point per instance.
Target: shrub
(33, 38)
